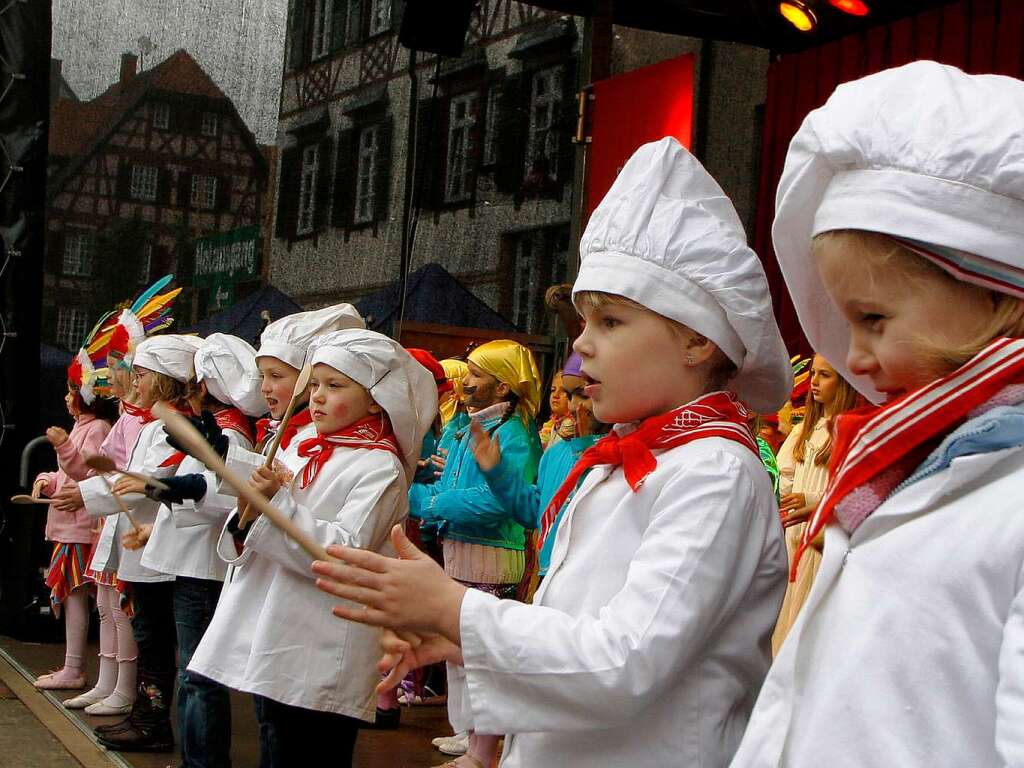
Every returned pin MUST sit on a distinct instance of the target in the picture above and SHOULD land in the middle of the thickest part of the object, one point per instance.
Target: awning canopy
(433, 296)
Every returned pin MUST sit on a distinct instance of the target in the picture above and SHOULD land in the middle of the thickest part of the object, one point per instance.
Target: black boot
(156, 737)
(148, 727)
(104, 730)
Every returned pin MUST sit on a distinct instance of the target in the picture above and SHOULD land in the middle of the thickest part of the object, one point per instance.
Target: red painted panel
(632, 109)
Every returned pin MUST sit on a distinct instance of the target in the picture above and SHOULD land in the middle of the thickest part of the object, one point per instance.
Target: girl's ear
(502, 390)
(374, 408)
(699, 349)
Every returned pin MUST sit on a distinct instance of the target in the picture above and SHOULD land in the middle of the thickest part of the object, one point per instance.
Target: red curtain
(983, 36)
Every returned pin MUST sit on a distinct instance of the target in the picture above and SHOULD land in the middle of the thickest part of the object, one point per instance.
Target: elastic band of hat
(969, 267)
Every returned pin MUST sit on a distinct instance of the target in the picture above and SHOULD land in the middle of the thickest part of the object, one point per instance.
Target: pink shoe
(61, 680)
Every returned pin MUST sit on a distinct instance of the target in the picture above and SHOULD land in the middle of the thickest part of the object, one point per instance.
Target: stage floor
(407, 747)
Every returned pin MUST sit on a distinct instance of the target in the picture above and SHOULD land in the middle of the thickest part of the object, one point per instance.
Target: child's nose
(860, 360)
(582, 344)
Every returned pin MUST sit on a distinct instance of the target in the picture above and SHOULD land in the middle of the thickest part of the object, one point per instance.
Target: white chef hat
(228, 366)
(668, 238)
(288, 338)
(924, 153)
(403, 388)
(172, 355)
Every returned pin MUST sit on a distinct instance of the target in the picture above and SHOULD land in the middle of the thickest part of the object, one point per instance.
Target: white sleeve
(1010, 689)
(243, 462)
(536, 668)
(361, 515)
(97, 498)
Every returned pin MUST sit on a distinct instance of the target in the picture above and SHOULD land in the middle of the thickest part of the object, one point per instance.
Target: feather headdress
(149, 313)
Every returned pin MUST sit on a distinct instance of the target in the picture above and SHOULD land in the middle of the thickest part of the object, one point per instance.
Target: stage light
(799, 15)
(852, 7)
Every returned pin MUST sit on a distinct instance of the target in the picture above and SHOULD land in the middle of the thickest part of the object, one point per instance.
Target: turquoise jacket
(428, 448)
(461, 503)
(527, 502)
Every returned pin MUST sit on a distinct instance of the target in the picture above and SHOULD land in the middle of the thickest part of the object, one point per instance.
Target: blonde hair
(168, 390)
(881, 251)
(720, 368)
(846, 399)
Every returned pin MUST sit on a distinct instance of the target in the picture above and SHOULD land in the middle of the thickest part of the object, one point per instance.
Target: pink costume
(86, 437)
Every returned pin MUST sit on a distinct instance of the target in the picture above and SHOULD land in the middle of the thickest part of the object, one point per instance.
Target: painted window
(144, 178)
(462, 117)
(307, 189)
(367, 167)
(542, 141)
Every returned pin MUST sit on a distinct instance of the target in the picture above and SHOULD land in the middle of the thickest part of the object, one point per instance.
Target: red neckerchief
(232, 418)
(883, 446)
(267, 427)
(226, 418)
(143, 414)
(372, 432)
(719, 414)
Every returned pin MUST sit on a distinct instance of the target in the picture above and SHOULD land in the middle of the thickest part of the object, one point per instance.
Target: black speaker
(436, 27)
(24, 123)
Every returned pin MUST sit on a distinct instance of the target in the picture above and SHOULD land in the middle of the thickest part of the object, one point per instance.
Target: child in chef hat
(651, 628)
(371, 404)
(900, 231)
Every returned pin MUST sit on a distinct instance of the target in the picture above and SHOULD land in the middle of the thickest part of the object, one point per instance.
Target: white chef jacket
(223, 652)
(184, 538)
(909, 650)
(649, 638)
(150, 451)
(301, 654)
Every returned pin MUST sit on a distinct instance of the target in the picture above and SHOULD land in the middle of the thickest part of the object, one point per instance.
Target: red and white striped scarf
(718, 414)
(372, 432)
(881, 447)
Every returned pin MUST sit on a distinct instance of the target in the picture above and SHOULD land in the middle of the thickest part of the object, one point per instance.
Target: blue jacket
(428, 448)
(462, 504)
(527, 502)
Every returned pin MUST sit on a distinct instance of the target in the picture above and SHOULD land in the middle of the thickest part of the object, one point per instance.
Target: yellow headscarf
(513, 364)
(454, 370)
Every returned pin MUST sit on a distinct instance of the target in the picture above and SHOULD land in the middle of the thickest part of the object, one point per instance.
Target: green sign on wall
(225, 259)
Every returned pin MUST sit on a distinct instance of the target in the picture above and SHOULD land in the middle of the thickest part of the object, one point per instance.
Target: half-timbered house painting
(493, 166)
(135, 175)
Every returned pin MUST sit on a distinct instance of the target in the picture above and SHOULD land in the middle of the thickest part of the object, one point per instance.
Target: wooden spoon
(187, 435)
(121, 504)
(245, 515)
(22, 498)
(102, 463)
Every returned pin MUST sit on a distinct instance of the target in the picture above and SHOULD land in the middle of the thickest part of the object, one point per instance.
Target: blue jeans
(153, 628)
(289, 734)
(204, 709)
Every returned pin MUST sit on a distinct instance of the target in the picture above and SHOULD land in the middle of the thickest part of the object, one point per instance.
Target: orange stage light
(852, 7)
(799, 15)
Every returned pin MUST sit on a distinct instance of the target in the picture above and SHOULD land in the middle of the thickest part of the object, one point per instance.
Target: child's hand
(439, 459)
(56, 436)
(127, 484)
(68, 499)
(284, 475)
(136, 539)
(406, 652)
(266, 482)
(486, 449)
(791, 509)
(411, 593)
(38, 487)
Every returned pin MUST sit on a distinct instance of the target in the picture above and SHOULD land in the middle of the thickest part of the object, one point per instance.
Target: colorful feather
(144, 297)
